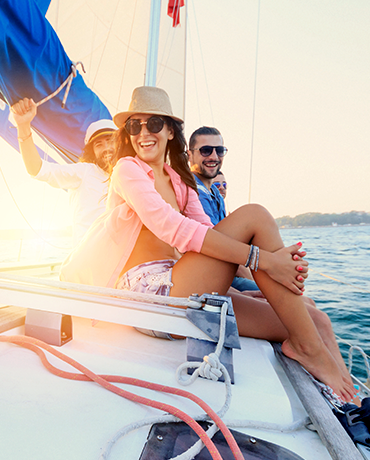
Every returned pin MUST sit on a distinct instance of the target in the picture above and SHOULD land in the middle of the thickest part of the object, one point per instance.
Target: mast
(153, 43)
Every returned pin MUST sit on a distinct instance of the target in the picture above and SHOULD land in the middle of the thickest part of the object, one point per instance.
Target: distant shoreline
(285, 227)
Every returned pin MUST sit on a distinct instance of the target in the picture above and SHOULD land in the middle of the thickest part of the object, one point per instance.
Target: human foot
(320, 363)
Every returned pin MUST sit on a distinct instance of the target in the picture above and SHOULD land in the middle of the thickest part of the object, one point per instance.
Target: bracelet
(23, 139)
(254, 261)
(249, 257)
(253, 258)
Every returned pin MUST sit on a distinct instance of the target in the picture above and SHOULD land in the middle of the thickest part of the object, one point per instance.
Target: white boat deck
(48, 417)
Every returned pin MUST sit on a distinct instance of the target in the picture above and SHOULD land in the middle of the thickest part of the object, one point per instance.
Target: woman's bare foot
(320, 363)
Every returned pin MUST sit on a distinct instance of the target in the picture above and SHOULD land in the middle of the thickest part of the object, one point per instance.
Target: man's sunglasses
(153, 125)
(218, 184)
(207, 150)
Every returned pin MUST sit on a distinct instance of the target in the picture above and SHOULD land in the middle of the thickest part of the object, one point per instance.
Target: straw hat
(99, 128)
(147, 99)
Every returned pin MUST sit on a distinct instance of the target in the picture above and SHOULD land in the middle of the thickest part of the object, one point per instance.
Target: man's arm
(24, 112)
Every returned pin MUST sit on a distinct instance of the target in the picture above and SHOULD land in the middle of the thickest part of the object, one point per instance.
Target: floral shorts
(150, 278)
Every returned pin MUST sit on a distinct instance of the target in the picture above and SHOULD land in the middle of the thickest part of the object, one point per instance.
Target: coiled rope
(211, 368)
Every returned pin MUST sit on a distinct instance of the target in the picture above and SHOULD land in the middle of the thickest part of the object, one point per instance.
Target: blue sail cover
(34, 64)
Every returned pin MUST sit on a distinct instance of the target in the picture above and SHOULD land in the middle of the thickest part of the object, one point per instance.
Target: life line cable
(104, 380)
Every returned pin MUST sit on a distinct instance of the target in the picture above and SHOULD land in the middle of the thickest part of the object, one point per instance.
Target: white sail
(111, 39)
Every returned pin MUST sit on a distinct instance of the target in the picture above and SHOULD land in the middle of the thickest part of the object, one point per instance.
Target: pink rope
(103, 380)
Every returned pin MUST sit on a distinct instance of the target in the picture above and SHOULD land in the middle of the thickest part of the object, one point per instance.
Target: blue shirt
(212, 201)
(214, 205)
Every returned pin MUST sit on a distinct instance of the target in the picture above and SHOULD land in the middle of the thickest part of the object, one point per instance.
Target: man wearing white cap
(86, 181)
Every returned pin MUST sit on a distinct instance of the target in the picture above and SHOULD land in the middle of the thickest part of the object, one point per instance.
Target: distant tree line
(316, 219)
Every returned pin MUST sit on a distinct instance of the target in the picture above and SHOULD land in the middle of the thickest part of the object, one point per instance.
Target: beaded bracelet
(253, 258)
(24, 138)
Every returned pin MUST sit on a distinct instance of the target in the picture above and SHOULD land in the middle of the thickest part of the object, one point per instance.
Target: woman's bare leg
(196, 273)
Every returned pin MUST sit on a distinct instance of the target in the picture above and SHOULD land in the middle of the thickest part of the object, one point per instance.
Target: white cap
(99, 128)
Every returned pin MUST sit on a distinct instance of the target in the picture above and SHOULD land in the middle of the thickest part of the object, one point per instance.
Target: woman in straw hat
(156, 238)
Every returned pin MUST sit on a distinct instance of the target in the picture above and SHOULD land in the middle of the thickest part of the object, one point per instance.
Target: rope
(211, 368)
(254, 102)
(196, 448)
(67, 82)
(128, 295)
(36, 345)
(260, 425)
(203, 66)
(350, 360)
(195, 75)
(126, 57)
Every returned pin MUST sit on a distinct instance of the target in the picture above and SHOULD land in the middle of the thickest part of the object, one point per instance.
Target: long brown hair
(175, 150)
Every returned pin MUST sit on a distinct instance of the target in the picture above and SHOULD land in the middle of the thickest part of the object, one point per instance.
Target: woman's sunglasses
(207, 150)
(153, 125)
(218, 184)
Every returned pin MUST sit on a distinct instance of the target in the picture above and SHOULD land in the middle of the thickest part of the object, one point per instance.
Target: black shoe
(355, 420)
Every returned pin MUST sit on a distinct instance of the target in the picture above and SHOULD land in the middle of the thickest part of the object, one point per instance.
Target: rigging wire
(203, 66)
(105, 45)
(195, 74)
(254, 101)
(126, 57)
(170, 32)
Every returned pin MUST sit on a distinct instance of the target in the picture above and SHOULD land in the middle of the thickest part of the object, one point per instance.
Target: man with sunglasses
(86, 181)
(220, 182)
(206, 155)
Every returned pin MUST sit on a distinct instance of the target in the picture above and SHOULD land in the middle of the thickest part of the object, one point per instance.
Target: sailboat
(275, 411)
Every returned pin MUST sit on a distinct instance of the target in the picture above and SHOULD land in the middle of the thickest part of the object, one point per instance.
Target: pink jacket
(133, 202)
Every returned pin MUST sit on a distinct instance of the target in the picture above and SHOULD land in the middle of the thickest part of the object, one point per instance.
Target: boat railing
(99, 303)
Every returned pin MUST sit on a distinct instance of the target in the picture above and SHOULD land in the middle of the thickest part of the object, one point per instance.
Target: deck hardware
(207, 319)
(52, 328)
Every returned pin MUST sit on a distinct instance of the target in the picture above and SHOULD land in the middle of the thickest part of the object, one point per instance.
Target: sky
(287, 84)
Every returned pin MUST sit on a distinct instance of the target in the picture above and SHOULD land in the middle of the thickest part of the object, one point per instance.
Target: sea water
(339, 277)
(339, 281)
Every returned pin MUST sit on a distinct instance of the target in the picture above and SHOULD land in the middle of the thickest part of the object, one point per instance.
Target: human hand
(24, 111)
(254, 294)
(282, 267)
(298, 256)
